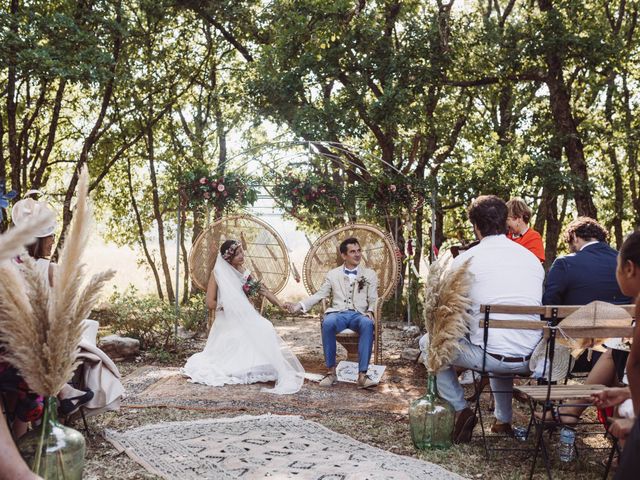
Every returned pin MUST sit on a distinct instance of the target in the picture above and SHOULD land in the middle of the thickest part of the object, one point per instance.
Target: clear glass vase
(431, 419)
(53, 450)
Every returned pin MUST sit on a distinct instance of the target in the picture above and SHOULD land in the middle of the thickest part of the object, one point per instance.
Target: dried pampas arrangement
(41, 325)
(447, 307)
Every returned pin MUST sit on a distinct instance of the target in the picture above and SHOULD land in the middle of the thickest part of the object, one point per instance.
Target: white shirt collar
(587, 244)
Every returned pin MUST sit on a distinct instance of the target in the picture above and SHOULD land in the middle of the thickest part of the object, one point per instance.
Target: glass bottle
(431, 419)
(52, 450)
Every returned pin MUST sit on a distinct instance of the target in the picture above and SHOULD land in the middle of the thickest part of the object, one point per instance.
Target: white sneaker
(466, 378)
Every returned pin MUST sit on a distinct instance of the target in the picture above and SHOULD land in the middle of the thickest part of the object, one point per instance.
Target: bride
(243, 347)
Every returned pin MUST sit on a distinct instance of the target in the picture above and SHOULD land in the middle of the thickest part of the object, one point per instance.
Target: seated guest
(628, 429)
(518, 226)
(587, 274)
(495, 262)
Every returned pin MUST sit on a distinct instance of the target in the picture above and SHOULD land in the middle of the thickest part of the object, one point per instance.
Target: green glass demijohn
(52, 450)
(431, 419)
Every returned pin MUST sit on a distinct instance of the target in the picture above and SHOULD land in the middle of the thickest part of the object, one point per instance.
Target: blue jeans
(471, 357)
(334, 323)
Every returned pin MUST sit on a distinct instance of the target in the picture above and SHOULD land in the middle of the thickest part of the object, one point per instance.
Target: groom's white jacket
(361, 295)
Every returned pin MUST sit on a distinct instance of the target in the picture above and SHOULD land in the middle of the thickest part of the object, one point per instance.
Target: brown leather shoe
(465, 421)
(502, 428)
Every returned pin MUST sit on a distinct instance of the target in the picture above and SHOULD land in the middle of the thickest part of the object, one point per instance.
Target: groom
(354, 292)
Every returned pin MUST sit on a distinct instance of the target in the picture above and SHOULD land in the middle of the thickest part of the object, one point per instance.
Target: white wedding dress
(243, 346)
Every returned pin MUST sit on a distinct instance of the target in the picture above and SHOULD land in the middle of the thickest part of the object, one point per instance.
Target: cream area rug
(265, 446)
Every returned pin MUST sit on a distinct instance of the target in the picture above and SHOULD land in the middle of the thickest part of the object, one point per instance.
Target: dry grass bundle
(42, 326)
(447, 310)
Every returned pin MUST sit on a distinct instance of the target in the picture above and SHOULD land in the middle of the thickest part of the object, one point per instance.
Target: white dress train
(243, 346)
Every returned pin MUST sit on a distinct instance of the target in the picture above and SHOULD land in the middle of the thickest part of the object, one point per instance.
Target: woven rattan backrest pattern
(379, 253)
(265, 253)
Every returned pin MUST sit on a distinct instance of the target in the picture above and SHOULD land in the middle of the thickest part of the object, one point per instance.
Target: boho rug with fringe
(265, 446)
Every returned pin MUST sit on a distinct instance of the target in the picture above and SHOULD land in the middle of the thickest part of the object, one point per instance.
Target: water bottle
(566, 447)
(520, 434)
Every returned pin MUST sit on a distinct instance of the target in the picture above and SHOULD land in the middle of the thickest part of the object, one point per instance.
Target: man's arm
(323, 292)
(557, 283)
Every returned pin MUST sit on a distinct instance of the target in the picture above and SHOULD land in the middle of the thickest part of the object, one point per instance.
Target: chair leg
(478, 388)
(615, 448)
(540, 444)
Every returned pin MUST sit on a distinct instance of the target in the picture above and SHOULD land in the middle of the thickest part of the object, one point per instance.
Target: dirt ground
(158, 393)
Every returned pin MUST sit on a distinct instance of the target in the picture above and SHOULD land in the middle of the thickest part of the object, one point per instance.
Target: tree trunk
(157, 213)
(631, 147)
(12, 136)
(141, 235)
(560, 102)
(618, 193)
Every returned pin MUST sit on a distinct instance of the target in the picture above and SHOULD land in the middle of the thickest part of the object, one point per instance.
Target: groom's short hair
(348, 241)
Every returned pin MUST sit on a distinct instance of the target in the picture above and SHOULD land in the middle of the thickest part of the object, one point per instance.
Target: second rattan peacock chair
(379, 253)
(265, 253)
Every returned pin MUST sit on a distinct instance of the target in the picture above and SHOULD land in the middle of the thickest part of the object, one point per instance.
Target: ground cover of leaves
(377, 418)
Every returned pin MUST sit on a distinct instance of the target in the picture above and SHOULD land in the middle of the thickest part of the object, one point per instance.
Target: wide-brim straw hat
(561, 362)
(594, 314)
(24, 209)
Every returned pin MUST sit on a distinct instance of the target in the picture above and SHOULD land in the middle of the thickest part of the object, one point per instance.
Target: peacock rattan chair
(265, 252)
(379, 253)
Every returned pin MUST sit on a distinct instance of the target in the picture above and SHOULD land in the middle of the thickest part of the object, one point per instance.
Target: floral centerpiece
(41, 327)
(219, 191)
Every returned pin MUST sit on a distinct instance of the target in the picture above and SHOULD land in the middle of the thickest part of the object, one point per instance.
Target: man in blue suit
(585, 275)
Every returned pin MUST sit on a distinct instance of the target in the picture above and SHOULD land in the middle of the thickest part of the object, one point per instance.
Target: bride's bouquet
(251, 287)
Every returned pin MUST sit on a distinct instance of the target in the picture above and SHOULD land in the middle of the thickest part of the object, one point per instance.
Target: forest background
(391, 112)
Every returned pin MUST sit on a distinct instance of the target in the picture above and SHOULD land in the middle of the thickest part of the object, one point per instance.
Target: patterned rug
(256, 447)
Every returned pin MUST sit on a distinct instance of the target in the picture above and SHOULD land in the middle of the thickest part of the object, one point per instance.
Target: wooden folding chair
(546, 399)
(486, 324)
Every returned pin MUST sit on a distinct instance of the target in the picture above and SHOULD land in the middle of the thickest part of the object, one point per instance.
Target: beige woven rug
(266, 446)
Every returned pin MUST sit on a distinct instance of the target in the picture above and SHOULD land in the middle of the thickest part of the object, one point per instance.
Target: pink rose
(220, 187)
(207, 194)
(214, 183)
(392, 188)
(203, 180)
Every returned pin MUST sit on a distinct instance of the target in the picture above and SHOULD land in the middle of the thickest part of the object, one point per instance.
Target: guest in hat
(42, 248)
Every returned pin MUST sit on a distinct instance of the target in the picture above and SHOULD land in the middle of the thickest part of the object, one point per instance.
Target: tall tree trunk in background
(560, 102)
(419, 237)
(550, 204)
(157, 213)
(631, 147)
(185, 259)
(12, 136)
(96, 131)
(141, 234)
(618, 194)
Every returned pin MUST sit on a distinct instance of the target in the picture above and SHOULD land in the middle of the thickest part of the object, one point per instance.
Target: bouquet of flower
(251, 287)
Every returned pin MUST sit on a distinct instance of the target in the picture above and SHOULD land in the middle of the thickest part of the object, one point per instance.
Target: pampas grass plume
(447, 307)
(42, 325)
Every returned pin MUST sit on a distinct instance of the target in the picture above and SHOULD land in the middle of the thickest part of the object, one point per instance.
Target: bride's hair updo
(228, 249)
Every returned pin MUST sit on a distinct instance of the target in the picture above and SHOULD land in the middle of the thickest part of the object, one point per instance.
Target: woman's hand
(610, 397)
(621, 427)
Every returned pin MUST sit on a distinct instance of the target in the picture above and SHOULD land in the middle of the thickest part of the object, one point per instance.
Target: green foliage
(146, 318)
(226, 192)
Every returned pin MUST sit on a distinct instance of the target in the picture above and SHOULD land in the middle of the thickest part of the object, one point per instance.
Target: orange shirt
(532, 241)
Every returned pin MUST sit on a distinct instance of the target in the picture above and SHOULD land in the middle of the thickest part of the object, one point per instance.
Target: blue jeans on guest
(334, 323)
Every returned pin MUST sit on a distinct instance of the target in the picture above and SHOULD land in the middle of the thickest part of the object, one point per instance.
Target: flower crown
(230, 251)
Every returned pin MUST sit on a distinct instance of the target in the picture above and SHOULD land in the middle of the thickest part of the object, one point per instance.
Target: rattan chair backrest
(265, 253)
(379, 253)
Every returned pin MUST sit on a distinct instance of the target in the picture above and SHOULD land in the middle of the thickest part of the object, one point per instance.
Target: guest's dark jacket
(583, 277)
